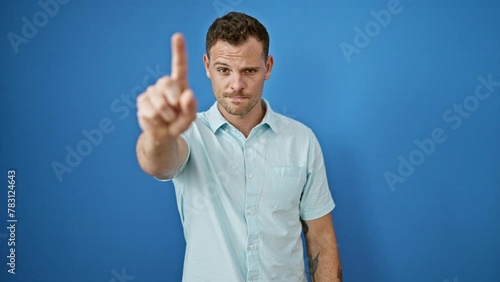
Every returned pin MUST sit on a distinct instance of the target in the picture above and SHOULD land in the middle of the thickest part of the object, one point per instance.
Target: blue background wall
(437, 219)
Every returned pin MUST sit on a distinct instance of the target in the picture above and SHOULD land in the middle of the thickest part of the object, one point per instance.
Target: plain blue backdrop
(81, 64)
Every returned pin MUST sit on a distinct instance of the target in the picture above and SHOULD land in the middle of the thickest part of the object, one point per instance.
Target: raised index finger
(179, 59)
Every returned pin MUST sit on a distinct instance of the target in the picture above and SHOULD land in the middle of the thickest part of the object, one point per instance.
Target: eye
(223, 70)
(250, 70)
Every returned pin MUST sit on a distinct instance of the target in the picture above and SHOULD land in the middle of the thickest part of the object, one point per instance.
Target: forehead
(250, 50)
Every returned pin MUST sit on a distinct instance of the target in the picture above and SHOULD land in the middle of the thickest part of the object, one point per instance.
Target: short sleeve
(316, 200)
(185, 135)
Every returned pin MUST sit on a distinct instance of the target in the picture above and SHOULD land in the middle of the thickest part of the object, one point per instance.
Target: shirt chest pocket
(287, 184)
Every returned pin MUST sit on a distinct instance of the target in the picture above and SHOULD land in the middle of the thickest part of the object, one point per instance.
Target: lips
(236, 98)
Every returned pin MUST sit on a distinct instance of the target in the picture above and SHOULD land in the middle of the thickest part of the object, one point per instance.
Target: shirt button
(250, 175)
(250, 211)
(226, 130)
(251, 246)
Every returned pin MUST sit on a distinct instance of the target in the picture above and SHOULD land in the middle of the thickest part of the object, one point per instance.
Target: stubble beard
(249, 103)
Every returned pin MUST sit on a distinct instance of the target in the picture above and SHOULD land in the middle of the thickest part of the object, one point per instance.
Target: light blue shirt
(241, 199)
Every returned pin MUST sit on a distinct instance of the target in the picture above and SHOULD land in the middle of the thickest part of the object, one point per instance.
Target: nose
(237, 84)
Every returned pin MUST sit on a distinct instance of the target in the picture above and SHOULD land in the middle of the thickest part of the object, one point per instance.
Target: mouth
(236, 99)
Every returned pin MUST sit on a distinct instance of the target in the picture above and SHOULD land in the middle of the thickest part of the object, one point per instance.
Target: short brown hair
(235, 28)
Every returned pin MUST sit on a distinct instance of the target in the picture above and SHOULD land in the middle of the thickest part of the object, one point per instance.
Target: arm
(164, 111)
(161, 158)
(322, 250)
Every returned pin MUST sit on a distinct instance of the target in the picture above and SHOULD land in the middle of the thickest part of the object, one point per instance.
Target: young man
(247, 179)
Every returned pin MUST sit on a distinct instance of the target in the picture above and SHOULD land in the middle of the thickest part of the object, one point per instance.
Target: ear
(269, 66)
(206, 63)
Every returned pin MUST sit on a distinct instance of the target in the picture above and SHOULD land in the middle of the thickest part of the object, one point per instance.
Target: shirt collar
(216, 119)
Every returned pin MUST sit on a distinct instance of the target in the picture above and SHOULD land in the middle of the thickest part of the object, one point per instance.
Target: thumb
(188, 104)
(187, 113)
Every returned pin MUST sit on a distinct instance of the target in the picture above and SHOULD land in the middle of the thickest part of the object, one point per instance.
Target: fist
(167, 108)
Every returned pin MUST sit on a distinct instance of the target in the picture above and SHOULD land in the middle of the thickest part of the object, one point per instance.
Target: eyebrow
(227, 65)
(221, 64)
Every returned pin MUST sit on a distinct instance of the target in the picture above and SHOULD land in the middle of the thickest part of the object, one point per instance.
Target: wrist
(158, 138)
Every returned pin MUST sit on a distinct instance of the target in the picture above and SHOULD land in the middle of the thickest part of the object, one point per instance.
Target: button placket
(251, 195)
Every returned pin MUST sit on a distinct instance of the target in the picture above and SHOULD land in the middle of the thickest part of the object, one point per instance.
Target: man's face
(238, 74)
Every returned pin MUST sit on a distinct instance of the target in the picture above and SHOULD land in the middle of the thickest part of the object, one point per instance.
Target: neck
(246, 123)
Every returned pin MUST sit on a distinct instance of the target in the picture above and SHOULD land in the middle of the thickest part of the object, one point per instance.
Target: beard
(238, 108)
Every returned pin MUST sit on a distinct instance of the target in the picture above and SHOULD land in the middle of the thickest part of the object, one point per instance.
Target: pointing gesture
(167, 108)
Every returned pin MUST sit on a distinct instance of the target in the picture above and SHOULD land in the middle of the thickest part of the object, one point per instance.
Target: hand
(167, 108)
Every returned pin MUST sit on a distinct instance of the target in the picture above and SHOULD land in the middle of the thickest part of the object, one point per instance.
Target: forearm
(324, 262)
(322, 250)
(159, 158)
